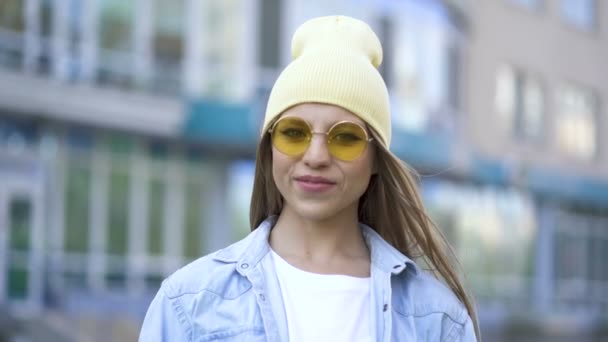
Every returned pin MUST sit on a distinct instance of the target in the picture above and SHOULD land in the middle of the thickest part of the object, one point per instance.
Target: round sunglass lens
(347, 141)
(291, 136)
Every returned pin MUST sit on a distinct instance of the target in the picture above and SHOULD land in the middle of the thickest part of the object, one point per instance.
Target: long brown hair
(391, 205)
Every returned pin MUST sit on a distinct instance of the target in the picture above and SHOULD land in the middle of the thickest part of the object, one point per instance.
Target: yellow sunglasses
(346, 140)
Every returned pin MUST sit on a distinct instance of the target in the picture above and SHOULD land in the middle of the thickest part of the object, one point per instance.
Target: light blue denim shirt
(234, 295)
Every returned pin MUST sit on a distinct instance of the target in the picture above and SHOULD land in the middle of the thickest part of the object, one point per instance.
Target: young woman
(337, 221)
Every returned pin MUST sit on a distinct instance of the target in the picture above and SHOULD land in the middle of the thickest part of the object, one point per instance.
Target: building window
(20, 238)
(224, 36)
(453, 90)
(530, 4)
(530, 114)
(12, 27)
(386, 34)
(423, 57)
(11, 15)
(505, 95)
(240, 187)
(45, 20)
(580, 13)
(157, 192)
(120, 148)
(194, 211)
(75, 39)
(77, 197)
(519, 100)
(576, 121)
(581, 279)
(168, 44)
(116, 20)
(487, 226)
(270, 33)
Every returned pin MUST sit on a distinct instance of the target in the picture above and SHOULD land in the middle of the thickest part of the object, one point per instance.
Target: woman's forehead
(321, 114)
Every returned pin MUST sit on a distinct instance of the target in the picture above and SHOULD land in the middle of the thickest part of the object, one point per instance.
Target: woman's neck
(321, 246)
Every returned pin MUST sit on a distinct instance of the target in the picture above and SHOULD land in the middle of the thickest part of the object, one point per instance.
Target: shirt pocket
(249, 334)
(215, 318)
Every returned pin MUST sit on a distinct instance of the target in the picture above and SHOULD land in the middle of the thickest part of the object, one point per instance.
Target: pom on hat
(335, 61)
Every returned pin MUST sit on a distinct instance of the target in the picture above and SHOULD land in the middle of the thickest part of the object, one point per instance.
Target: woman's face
(315, 185)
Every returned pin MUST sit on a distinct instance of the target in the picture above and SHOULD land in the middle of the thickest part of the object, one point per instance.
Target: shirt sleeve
(467, 333)
(165, 320)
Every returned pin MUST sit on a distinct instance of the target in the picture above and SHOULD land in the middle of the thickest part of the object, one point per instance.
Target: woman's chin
(319, 211)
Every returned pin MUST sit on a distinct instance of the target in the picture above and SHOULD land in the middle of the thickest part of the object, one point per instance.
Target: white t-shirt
(322, 307)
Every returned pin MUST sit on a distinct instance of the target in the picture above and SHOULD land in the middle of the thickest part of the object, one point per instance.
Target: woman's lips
(314, 184)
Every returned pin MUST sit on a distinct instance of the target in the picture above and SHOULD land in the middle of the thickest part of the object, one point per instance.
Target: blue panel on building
(422, 150)
(221, 123)
(489, 171)
(568, 187)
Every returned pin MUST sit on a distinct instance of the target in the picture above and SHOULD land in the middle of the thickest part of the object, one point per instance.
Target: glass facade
(116, 45)
(581, 277)
(20, 230)
(110, 190)
(270, 19)
(424, 76)
(222, 28)
(149, 45)
(576, 122)
(520, 103)
(193, 241)
(580, 13)
(486, 226)
(168, 42)
(530, 4)
(11, 15)
(156, 196)
(12, 27)
(77, 198)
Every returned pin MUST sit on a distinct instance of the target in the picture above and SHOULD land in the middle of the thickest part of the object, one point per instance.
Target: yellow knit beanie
(335, 61)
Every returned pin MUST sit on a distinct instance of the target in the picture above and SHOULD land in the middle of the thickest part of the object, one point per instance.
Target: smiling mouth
(314, 184)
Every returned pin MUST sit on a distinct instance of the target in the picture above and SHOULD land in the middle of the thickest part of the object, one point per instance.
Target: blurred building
(127, 134)
(103, 190)
(536, 95)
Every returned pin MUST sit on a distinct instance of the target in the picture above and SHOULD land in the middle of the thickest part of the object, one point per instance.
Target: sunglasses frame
(326, 134)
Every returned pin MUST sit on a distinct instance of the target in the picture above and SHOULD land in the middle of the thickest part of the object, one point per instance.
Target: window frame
(590, 93)
(571, 19)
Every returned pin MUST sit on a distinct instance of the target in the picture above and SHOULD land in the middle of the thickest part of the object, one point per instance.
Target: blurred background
(128, 128)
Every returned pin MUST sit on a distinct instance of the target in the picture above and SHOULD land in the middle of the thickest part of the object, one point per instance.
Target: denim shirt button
(262, 297)
(245, 266)
(385, 307)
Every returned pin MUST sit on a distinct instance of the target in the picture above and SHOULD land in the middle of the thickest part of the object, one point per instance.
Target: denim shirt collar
(384, 256)
(248, 252)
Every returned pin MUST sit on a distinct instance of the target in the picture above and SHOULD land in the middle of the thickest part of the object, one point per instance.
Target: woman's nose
(317, 155)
